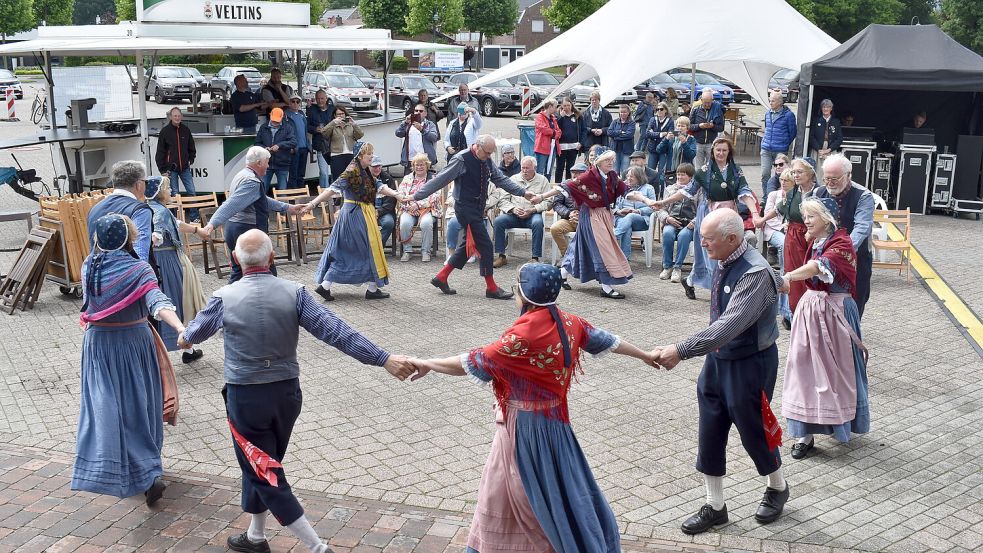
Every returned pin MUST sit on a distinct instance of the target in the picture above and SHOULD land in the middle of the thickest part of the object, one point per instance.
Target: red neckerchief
(839, 253)
(526, 363)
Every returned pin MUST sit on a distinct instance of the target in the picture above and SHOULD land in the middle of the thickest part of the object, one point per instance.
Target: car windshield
(787, 74)
(173, 73)
(419, 82)
(6, 74)
(706, 79)
(542, 79)
(590, 82)
(251, 75)
(662, 78)
(499, 84)
(357, 70)
(194, 72)
(344, 81)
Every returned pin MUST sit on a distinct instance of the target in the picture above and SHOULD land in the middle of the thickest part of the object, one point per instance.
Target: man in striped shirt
(738, 378)
(261, 316)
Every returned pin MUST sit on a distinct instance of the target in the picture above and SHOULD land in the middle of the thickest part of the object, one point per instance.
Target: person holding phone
(419, 136)
(676, 147)
(341, 134)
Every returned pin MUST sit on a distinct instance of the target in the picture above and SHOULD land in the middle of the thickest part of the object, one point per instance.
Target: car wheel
(488, 107)
(407, 104)
(159, 96)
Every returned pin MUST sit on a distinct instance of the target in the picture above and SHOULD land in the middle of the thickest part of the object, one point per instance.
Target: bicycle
(39, 109)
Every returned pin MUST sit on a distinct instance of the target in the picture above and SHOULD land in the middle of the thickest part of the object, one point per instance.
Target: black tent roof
(908, 57)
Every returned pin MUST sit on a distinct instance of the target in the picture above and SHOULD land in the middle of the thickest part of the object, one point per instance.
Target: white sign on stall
(223, 12)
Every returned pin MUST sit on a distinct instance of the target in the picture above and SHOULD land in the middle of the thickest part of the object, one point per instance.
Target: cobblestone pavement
(383, 453)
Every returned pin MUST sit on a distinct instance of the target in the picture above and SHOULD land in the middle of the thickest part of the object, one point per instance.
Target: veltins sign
(223, 12)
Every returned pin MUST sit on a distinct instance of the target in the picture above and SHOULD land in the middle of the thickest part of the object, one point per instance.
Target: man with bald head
(738, 378)
(472, 170)
(261, 315)
(780, 131)
(707, 121)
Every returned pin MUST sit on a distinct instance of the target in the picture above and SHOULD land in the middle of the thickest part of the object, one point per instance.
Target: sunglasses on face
(661, 109)
(779, 164)
(418, 111)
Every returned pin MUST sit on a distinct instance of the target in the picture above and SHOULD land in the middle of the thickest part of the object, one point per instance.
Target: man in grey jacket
(261, 316)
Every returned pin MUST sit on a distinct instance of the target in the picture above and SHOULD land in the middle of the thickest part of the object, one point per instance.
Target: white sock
(372, 286)
(326, 284)
(607, 289)
(564, 273)
(689, 279)
(306, 534)
(776, 480)
(188, 350)
(257, 527)
(715, 491)
(804, 439)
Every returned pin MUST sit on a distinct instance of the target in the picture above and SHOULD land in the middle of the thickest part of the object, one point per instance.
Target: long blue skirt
(172, 284)
(121, 428)
(861, 421)
(582, 259)
(348, 258)
(703, 266)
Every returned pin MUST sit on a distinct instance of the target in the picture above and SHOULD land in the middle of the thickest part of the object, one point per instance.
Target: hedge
(399, 63)
(27, 71)
(205, 68)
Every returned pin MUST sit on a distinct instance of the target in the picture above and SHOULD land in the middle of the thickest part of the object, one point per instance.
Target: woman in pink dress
(537, 492)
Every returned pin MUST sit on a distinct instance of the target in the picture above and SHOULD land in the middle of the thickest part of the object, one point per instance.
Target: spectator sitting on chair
(778, 167)
(462, 133)
(298, 168)
(632, 215)
(518, 212)
(280, 141)
(385, 206)
(510, 164)
(622, 134)
(678, 221)
(637, 159)
(176, 154)
(567, 214)
(422, 213)
(779, 133)
(419, 136)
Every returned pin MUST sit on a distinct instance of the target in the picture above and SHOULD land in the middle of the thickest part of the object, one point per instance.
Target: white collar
(121, 192)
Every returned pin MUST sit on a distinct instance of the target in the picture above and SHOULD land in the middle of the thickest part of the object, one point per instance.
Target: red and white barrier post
(526, 101)
(11, 111)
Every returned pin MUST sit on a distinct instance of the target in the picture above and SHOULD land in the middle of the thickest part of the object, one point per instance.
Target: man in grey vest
(262, 315)
(736, 384)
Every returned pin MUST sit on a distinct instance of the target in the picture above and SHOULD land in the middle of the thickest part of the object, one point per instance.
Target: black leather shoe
(690, 291)
(377, 295)
(801, 450)
(704, 519)
(195, 355)
(613, 294)
(498, 294)
(771, 505)
(565, 285)
(444, 287)
(240, 542)
(155, 492)
(787, 323)
(324, 293)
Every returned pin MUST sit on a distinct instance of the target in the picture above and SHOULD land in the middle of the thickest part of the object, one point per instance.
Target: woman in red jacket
(547, 146)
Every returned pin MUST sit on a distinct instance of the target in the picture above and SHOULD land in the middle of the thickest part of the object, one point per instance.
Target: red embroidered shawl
(589, 189)
(839, 253)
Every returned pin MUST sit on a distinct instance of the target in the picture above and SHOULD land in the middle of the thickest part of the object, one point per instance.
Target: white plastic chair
(647, 237)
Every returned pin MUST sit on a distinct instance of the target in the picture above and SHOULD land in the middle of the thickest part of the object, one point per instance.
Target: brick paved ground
(370, 445)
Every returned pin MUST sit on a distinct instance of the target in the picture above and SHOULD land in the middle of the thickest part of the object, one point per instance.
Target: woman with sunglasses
(659, 128)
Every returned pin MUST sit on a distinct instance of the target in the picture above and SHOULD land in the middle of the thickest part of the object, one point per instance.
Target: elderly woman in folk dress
(537, 492)
(128, 387)
(825, 389)
(595, 253)
(178, 277)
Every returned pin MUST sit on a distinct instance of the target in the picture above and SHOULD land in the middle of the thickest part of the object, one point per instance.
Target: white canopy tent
(746, 42)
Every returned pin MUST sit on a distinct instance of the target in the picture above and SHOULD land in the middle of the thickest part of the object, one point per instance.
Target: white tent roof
(746, 42)
(128, 37)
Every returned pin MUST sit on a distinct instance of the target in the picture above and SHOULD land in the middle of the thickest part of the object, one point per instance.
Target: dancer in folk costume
(825, 389)
(537, 492)
(178, 277)
(354, 254)
(595, 253)
(128, 386)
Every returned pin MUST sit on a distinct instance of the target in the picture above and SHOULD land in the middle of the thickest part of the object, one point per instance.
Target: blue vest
(471, 188)
(764, 331)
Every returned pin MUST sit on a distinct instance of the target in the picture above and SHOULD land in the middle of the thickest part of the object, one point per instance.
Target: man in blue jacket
(281, 141)
(622, 134)
(779, 133)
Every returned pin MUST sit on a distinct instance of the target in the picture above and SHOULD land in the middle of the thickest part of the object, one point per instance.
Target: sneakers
(664, 275)
(406, 257)
(195, 355)
(426, 257)
(677, 274)
(472, 259)
(241, 542)
(500, 261)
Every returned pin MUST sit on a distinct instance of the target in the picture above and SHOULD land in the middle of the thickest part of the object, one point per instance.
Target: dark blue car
(724, 94)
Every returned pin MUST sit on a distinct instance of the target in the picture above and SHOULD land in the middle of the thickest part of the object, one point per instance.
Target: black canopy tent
(887, 73)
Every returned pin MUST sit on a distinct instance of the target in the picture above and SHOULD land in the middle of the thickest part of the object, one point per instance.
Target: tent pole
(385, 82)
(300, 76)
(51, 90)
(142, 107)
(692, 86)
(805, 141)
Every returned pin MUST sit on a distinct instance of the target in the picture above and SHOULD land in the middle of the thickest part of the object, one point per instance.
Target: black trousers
(338, 164)
(483, 243)
(264, 414)
(232, 233)
(864, 269)
(564, 161)
(729, 392)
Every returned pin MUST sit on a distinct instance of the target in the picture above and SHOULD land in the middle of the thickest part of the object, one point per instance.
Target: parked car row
(10, 81)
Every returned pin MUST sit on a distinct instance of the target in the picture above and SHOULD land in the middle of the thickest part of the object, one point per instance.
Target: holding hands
(666, 357)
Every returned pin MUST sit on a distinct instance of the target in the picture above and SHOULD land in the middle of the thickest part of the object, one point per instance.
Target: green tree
(490, 18)
(339, 4)
(925, 10)
(15, 16)
(317, 8)
(87, 10)
(567, 13)
(384, 14)
(424, 15)
(963, 21)
(53, 12)
(126, 10)
(841, 19)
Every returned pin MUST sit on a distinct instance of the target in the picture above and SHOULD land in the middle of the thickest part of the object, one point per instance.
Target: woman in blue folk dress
(537, 491)
(128, 388)
(354, 254)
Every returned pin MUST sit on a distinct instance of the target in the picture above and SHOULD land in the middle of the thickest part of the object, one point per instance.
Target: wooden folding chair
(290, 196)
(903, 246)
(23, 284)
(203, 203)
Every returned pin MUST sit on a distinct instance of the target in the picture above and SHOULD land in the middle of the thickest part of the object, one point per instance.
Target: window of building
(537, 25)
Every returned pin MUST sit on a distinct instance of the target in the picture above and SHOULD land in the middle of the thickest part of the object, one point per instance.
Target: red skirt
(795, 252)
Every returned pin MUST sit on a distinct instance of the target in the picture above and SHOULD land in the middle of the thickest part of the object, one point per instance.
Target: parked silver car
(368, 79)
(222, 84)
(170, 83)
(9, 80)
(581, 94)
(493, 97)
(343, 88)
